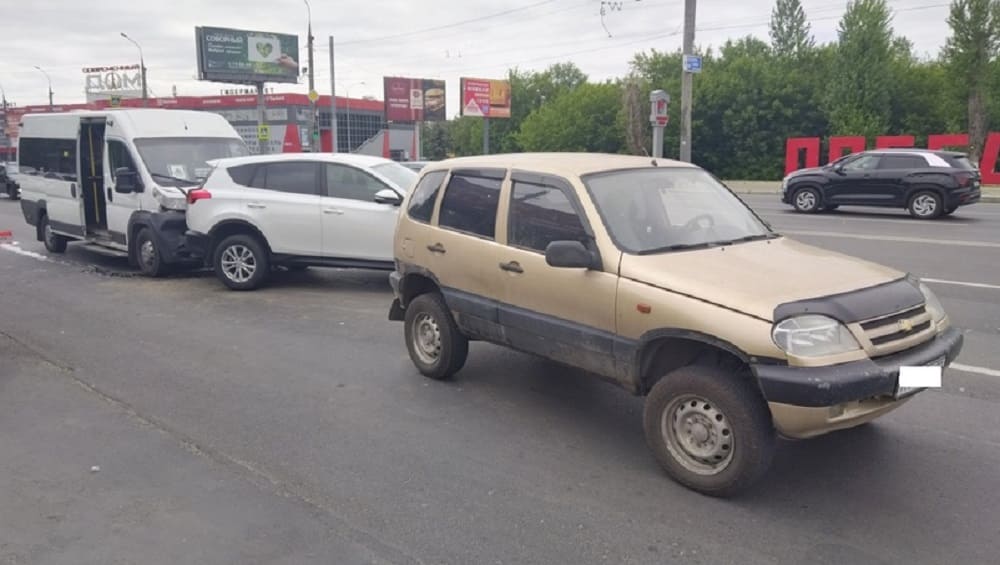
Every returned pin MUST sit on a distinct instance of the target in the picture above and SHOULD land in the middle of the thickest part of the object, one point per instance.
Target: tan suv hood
(756, 277)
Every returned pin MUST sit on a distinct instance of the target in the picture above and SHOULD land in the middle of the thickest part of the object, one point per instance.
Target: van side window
(470, 204)
(425, 195)
(119, 157)
(540, 215)
(55, 158)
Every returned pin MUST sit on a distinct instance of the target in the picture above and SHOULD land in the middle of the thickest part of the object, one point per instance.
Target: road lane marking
(892, 219)
(16, 249)
(976, 370)
(896, 238)
(960, 283)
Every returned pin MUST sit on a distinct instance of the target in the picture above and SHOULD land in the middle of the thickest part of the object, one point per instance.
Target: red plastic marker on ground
(6, 235)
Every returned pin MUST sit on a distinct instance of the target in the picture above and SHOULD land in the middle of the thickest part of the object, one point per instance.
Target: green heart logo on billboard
(265, 49)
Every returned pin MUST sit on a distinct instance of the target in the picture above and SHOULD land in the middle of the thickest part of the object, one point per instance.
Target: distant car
(296, 211)
(7, 183)
(415, 165)
(929, 184)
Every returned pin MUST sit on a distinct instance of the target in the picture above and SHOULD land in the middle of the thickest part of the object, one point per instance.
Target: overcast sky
(389, 37)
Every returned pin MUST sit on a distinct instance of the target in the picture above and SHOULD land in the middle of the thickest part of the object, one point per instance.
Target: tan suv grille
(897, 332)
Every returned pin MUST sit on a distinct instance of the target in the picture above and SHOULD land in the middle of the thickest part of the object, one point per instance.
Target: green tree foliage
(970, 54)
(583, 119)
(435, 141)
(860, 88)
(790, 31)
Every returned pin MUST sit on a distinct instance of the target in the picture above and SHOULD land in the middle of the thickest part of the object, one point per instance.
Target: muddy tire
(148, 256)
(436, 345)
(710, 430)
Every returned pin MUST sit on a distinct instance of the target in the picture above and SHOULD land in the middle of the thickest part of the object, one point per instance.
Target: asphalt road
(288, 426)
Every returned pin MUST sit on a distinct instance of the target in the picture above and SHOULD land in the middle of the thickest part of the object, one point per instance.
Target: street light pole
(347, 101)
(49, 79)
(142, 69)
(313, 137)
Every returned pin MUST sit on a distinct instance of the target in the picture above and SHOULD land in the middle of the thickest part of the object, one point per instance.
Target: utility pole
(142, 70)
(687, 81)
(333, 102)
(313, 122)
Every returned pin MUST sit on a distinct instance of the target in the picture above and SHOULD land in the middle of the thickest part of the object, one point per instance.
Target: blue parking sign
(692, 64)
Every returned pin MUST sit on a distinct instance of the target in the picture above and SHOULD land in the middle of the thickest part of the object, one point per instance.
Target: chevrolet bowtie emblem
(905, 326)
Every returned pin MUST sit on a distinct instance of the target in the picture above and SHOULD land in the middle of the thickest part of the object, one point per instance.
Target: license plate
(919, 374)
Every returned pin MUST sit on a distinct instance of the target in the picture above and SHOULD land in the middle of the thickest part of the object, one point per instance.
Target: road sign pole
(333, 102)
(261, 119)
(687, 81)
(659, 105)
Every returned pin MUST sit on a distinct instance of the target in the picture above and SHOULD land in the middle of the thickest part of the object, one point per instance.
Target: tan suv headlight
(813, 335)
(932, 304)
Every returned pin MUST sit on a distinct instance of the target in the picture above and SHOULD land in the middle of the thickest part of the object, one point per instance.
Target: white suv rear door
(283, 201)
(354, 225)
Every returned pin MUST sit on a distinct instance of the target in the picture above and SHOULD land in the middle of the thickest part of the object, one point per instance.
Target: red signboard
(805, 151)
(485, 98)
(414, 100)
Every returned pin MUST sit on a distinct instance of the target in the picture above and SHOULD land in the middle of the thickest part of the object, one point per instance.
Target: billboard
(103, 83)
(242, 56)
(485, 98)
(414, 100)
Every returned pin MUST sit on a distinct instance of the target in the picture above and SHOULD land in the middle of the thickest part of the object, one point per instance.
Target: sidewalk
(991, 194)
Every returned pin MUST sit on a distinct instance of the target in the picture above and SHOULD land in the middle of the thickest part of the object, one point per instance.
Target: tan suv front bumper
(809, 401)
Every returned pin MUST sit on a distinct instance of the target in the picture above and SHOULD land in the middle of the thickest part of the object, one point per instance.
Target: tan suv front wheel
(711, 430)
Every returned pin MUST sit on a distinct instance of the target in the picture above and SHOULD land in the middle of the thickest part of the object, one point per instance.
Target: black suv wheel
(926, 205)
(806, 200)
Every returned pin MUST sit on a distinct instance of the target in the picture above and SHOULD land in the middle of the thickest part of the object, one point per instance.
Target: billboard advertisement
(414, 100)
(242, 56)
(103, 83)
(485, 98)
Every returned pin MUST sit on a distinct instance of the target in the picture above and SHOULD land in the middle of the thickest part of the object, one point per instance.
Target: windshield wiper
(758, 237)
(679, 247)
(175, 179)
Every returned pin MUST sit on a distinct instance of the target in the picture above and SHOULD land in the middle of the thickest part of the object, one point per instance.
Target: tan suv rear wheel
(710, 430)
(436, 345)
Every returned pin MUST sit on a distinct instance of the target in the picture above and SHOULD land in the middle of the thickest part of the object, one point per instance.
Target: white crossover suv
(295, 210)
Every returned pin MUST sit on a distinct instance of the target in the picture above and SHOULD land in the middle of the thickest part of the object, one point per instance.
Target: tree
(860, 84)
(436, 144)
(790, 31)
(585, 119)
(969, 54)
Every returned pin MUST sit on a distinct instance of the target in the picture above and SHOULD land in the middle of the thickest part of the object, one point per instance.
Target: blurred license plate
(912, 380)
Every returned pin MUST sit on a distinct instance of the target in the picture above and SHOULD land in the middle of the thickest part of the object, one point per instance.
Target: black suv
(929, 184)
(7, 184)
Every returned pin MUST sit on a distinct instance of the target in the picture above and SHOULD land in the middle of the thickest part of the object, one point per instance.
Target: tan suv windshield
(662, 209)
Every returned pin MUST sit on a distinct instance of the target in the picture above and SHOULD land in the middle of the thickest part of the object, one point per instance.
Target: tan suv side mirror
(569, 255)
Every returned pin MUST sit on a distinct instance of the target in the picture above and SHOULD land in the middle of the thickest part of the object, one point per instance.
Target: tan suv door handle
(512, 267)
(436, 248)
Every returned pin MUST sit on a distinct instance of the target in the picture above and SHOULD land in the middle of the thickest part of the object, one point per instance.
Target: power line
(447, 26)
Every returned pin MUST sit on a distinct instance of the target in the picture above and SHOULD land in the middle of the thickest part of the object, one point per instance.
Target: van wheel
(926, 205)
(54, 242)
(241, 262)
(709, 429)
(806, 200)
(436, 345)
(150, 262)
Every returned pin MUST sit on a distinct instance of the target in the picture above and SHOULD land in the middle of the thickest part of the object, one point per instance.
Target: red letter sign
(853, 144)
(794, 146)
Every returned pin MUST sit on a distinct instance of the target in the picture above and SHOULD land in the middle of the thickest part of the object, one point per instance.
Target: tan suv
(655, 276)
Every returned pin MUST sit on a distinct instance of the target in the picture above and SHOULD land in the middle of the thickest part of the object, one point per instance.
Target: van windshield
(183, 161)
(656, 210)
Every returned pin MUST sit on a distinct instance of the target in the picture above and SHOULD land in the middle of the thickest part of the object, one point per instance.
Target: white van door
(59, 182)
(119, 155)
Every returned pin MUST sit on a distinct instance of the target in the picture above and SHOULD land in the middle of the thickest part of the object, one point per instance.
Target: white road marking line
(896, 238)
(976, 370)
(960, 283)
(16, 249)
(880, 220)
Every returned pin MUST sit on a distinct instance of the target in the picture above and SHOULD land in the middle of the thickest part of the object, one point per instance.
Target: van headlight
(813, 335)
(932, 304)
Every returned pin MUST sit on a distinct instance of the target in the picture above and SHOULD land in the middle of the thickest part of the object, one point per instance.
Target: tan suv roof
(569, 164)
